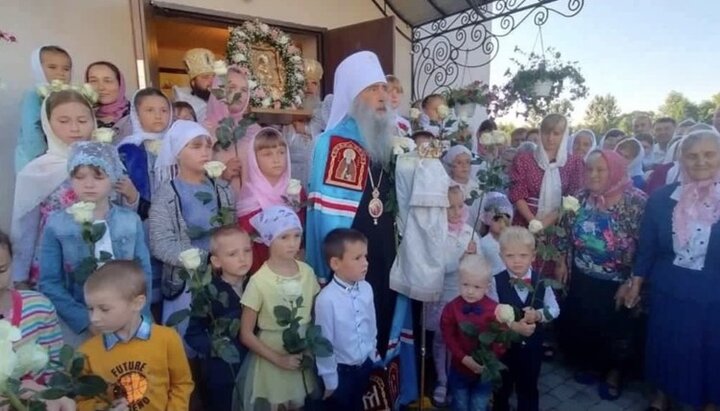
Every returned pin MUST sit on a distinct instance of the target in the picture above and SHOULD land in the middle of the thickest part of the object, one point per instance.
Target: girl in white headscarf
(48, 63)
(184, 208)
(150, 115)
(42, 186)
(458, 162)
(632, 150)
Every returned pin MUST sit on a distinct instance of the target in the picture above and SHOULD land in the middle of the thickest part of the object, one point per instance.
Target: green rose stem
(15, 402)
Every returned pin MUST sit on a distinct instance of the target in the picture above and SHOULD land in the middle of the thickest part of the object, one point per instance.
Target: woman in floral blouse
(596, 329)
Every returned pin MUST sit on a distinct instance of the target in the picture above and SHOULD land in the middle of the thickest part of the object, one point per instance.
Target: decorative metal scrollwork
(443, 49)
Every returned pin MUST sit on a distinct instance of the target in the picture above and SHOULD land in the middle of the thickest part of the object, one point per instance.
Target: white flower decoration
(415, 113)
(535, 226)
(296, 59)
(443, 111)
(283, 40)
(8, 332)
(239, 57)
(267, 102)
(299, 77)
(252, 84)
(294, 187)
(264, 27)
(103, 135)
(504, 314)
(220, 68)
(9, 359)
(214, 169)
(82, 211)
(570, 203)
(30, 358)
(191, 259)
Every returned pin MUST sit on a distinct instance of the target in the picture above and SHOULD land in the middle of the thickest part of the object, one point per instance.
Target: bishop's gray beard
(377, 130)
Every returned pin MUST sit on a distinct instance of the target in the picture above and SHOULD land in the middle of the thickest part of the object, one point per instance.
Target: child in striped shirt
(27, 310)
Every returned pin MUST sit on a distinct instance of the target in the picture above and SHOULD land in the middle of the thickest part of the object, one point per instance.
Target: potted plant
(536, 84)
(465, 99)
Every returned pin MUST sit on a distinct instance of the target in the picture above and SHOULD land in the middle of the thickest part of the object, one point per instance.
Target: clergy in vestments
(349, 181)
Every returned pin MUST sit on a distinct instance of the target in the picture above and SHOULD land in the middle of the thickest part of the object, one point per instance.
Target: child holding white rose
(231, 258)
(461, 241)
(267, 183)
(31, 312)
(468, 391)
(94, 169)
(523, 359)
(275, 377)
(185, 207)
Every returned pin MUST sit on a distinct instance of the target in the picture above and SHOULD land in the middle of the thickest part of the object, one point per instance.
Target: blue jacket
(63, 248)
(31, 142)
(135, 159)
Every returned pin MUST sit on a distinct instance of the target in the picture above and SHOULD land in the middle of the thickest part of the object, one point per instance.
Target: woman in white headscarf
(632, 150)
(540, 179)
(582, 143)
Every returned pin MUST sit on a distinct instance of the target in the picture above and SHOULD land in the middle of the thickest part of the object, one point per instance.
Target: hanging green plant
(534, 86)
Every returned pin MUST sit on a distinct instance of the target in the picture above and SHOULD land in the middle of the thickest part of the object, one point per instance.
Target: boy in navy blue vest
(523, 359)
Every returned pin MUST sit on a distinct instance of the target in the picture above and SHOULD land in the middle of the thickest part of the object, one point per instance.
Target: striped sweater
(35, 316)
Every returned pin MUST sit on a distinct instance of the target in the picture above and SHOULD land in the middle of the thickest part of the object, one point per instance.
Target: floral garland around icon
(239, 52)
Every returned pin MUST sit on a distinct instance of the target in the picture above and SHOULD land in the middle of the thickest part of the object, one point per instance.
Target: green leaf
(177, 317)
(299, 302)
(234, 327)
(487, 338)
(239, 132)
(91, 386)
(60, 380)
(204, 197)
(195, 232)
(98, 231)
(212, 290)
(105, 256)
(546, 313)
(292, 342)
(306, 362)
(66, 355)
(228, 122)
(218, 93)
(322, 347)
(224, 299)
(224, 136)
(78, 364)
(469, 329)
(283, 315)
(52, 394)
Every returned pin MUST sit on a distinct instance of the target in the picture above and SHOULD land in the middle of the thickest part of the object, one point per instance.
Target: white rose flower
(294, 187)
(30, 358)
(266, 102)
(103, 135)
(153, 146)
(64, 86)
(296, 59)
(443, 111)
(82, 211)
(43, 90)
(397, 150)
(8, 332)
(220, 68)
(264, 27)
(239, 57)
(7, 365)
(499, 137)
(535, 226)
(191, 259)
(283, 40)
(504, 314)
(57, 84)
(89, 92)
(252, 84)
(290, 289)
(214, 169)
(414, 113)
(570, 203)
(486, 139)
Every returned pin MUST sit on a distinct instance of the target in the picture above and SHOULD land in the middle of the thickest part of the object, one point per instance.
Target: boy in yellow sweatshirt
(145, 361)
